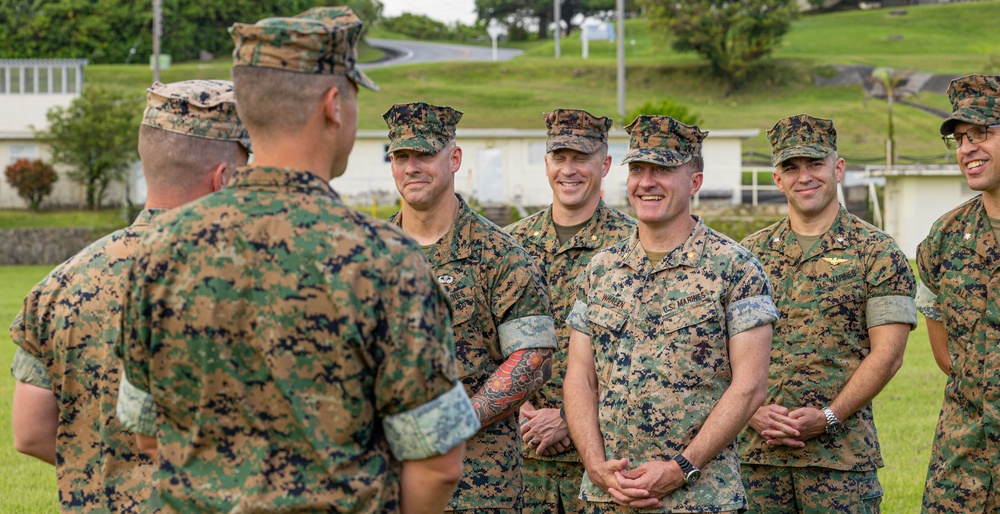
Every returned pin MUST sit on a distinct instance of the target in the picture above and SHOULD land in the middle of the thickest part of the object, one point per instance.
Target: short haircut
(269, 100)
(177, 161)
(698, 163)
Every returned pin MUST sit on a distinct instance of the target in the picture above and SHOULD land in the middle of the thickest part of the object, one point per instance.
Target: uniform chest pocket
(608, 317)
(701, 313)
(832, 293)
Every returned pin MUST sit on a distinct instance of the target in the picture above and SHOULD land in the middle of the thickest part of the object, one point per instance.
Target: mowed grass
(905, 413)
(105, 220)
(514, 94)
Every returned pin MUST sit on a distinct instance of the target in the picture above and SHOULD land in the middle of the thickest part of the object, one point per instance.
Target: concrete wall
(913, 202)
(42, 245)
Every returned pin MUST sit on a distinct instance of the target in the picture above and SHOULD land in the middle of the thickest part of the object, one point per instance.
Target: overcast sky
(448, 11)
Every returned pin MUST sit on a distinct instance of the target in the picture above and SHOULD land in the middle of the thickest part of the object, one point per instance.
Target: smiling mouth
(570, 184)
(973, 165)
(651, 198)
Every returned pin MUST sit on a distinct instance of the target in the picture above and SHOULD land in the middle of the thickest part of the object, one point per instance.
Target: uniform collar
(977, 232)
(145, 216)
(543, 232)
(687, 254)
(838, 237)
(454, 244)
(281, 178)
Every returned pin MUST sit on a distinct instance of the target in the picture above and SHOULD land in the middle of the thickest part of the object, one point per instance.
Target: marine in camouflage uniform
(504, 334)
(562, 239)
(668, 350)
(959, 264)
(296, 351)
(70, 320)
(844, 291)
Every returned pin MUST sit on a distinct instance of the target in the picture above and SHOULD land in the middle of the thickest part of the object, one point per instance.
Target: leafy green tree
(33, 180)
(664, 107)
(518, 15)
(732, 35)
(96, 135)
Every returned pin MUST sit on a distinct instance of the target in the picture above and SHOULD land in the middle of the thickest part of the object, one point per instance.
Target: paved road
(418, 51)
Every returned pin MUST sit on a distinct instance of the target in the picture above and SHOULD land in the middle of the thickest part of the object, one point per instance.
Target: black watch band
(691, 473)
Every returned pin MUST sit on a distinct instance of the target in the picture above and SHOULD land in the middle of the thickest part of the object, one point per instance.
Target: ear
(607, 166)
(839, 169)
(331, 105)
(696, 182)
(776, 177)
(456, 159)
(219, 176)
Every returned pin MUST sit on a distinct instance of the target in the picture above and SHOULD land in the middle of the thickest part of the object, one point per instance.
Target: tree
(733, 35)
(891, 84)
(664, 107)
(96, 135)
(32, 180)
(518, 16)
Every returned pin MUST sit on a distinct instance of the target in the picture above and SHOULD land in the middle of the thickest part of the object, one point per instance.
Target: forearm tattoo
(519, 377)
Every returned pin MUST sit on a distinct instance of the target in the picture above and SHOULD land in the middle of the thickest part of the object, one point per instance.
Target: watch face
(692, 477)
(835, 428)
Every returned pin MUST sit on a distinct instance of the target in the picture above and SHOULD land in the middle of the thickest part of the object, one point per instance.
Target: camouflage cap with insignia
(420, 126)
(198, 108)
(974, 99)
(801, 136)
(575, 129)
(662, 140)
(321, 40)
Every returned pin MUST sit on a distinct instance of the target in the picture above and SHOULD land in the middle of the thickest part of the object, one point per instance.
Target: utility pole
(157, 30)
(620, 4)
(557, 15)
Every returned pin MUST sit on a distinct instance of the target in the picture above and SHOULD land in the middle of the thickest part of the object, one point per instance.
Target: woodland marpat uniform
(959, 264)
(66, 333)
(289, 337)
(500, 307)
(660, 337)
(854, 278)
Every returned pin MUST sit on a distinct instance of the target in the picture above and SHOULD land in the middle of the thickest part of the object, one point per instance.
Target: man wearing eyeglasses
(668, 351)
(845, 293)
(959, 294)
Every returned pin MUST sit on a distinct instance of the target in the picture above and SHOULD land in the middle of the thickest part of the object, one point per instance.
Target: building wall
(914, 203)
(21, 112)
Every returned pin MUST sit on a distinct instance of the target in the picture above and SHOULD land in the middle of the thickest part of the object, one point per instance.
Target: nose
(961, 142)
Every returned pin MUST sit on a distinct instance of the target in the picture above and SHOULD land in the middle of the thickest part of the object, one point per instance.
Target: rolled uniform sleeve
(577, 319)
(891, 286)
(521, 305)
(926, 302)
(432, 428)
(135, 410)
(28, 369)
(749, 302)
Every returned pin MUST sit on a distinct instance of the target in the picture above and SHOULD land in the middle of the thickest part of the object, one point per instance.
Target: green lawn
(106, 220)
(905, 413)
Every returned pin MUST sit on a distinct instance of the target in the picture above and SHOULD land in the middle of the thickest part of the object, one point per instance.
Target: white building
(28, 89)
(506, 166)
(916, 196)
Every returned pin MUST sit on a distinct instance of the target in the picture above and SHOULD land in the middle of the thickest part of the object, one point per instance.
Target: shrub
(32, 180)
(664, 107)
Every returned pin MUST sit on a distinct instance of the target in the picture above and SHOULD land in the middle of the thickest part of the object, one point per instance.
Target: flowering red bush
(32, 180)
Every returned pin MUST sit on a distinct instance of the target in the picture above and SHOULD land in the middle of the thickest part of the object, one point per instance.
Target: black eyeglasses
(975, 135)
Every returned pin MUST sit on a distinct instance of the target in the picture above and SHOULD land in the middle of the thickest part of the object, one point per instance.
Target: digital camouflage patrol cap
(662, 140)
(420, 126)
(974, 99)
(575, 129)
(319, 41)
(197, 108)
(802, 136)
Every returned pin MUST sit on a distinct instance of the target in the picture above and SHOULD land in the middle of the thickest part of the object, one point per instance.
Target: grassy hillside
(516, 93)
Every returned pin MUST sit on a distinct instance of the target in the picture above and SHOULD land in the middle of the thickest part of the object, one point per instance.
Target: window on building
(15, 152)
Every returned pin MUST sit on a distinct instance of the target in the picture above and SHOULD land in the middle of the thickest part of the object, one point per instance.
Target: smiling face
(424, 179)
(810, 184)
(980, 162)
(661, 195)
(575, 178)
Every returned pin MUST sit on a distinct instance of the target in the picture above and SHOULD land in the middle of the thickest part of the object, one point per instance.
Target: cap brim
(660, 157)
(358, 77)
(420, 145)
(580, 144)
(811, 151)
(968, 115)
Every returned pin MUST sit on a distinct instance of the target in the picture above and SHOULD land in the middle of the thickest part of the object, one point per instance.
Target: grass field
(905, 413)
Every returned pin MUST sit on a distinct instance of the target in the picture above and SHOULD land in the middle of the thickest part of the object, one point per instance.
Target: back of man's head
(283, 66)
(188, 129)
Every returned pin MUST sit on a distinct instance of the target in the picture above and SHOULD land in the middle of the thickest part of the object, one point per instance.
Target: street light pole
(557, 15)
(157, 29)
(620, 4)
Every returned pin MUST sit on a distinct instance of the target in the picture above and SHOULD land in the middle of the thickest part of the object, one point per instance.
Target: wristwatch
(691, 473)
(833, 425)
